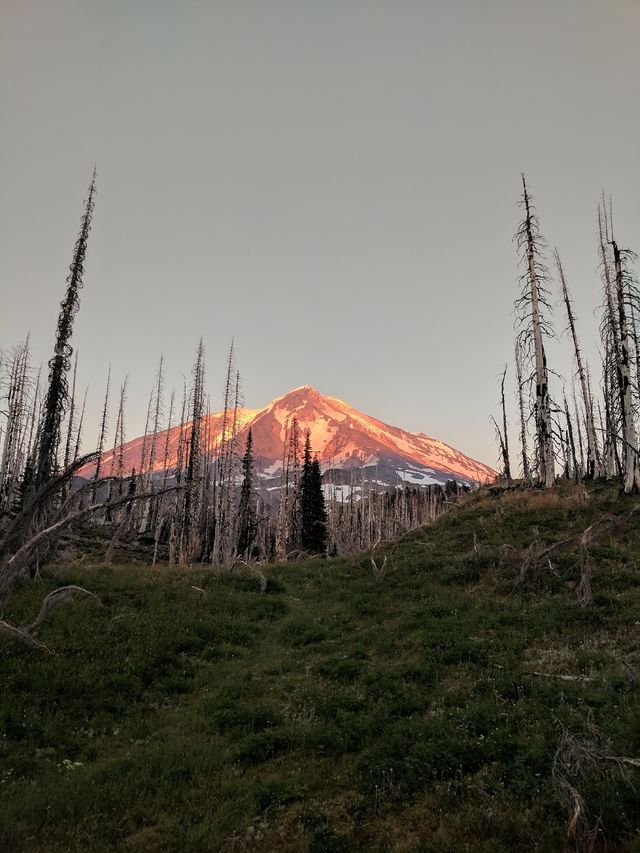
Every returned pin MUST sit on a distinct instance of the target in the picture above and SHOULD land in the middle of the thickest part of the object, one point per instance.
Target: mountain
(351, 446)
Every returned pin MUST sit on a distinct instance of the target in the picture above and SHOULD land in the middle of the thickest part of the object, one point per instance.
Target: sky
(331, 182)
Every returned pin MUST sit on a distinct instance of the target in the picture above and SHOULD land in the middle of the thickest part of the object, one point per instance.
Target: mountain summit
(343, 438)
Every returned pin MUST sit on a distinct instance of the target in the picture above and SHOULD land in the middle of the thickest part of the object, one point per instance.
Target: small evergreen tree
(313, 512)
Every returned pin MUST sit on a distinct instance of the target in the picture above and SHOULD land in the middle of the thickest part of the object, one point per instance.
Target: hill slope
(335, 712)
(342, 437)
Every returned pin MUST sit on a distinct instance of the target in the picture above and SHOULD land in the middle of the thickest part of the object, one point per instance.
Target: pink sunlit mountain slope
(343, 438)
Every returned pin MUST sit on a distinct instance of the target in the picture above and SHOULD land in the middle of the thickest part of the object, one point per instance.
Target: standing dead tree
(231, 477)
(101, 436)
(572, 467)
(16, 411)
(288, 523)
(610, 336)
(57, 394)
(502, 434)
(221, 481)
(72, 409)
(531, 309)
(618, 333)
(188, 539)
(76, 450)
(625, 294)
(526, 471)
(117, 458)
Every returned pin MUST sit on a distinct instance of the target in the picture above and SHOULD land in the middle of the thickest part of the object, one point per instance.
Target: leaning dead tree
(45, 492)
(532, 308)
(22, 543)
(592, 445)
(56, 398)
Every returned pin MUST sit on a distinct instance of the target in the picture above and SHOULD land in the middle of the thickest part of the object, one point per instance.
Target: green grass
(335, 712)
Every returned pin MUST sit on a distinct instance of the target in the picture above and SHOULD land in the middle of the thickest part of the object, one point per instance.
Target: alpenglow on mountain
(351, 446)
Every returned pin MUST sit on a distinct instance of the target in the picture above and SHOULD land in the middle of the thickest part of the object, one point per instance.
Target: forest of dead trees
(206, 508)
(587, 429)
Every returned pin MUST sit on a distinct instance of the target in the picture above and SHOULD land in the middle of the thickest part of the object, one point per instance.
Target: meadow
(440, 708)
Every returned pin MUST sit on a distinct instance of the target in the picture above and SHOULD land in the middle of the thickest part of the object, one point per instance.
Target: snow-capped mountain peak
(342, 438)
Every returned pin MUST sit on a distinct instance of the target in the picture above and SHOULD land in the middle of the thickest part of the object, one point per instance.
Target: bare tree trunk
(592, 452)
(571, 444)
(576, 414)
(76, 450)
(526, 472)
(507, 463)
(101, 437)
(220, 520)
(187, 545)
(610, 333)
(529, 240)
(631, 470)
(165, 455)
(72, 405)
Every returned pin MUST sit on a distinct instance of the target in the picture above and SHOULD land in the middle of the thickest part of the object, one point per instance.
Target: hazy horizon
(333, 184)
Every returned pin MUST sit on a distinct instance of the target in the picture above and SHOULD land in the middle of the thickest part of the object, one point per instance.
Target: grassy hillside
(335, 712)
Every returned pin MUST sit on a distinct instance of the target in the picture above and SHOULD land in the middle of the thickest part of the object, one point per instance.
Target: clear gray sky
(331, 181)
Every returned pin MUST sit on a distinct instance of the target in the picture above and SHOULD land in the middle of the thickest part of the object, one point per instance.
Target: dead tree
(146, 438)
(57, 394)
(76, 451)
(526, 471)
(610, 335)
(531, 308)
(101, 436)
(288, 527)
(116, 472)
(221, 484)
(22, 546)
(624, 286)
(231, 477)
(576, 415)
(283, 510)
(158, 407)
(72, 407)
(16, 410)
(38, 509)
(27, 634)
(592, 447)
(188, 522)
(165, 454)
(503, 436)
(571, 445)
